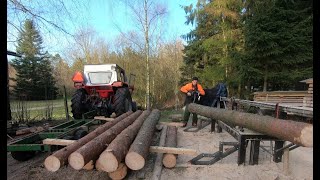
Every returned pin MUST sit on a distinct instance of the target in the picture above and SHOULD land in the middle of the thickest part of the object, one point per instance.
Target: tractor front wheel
(78, 106)
(122, 101)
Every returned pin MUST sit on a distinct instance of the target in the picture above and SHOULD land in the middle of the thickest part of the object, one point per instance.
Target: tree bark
(139, 149)
(117, 150)
(93, 149)
(297, 132)
(60, 158)
(120, 173)
(170, 160)
(156, 173)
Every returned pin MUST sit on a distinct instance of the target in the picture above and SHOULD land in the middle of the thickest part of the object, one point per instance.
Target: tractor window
(100, 77)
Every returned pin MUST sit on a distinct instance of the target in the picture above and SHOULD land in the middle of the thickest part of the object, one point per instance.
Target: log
(156, 174)
(60, 158)
(296, 132)
(172, 150)
(115, 153)
(98, 165)
(89, 165)
(119, 173)
(153, 149)
(170, 160)
(139, 149)
(103, 118)
(172, 124)
(29, 130)
(93, 149)
(59, 142)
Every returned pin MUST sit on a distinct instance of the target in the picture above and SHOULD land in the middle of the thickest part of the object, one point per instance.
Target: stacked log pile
(120, 145)
(107, 147)
(308, 98)
(292, 98)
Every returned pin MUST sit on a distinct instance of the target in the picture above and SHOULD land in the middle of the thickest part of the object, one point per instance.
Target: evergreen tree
(213, 46)
(34, 72)
(278, 42)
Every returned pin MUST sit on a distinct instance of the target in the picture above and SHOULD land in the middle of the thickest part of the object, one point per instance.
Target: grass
(166, 113)
(36, 110)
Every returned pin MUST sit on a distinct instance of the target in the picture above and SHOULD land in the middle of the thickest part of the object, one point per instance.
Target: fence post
(66, 103)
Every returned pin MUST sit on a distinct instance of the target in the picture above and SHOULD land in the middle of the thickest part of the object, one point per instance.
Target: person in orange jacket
(192, 91)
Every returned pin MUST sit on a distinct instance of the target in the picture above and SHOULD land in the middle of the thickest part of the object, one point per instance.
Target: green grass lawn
(36, 110)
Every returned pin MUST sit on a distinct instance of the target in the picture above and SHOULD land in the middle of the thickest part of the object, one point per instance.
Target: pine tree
(278, 36)
(34, 72)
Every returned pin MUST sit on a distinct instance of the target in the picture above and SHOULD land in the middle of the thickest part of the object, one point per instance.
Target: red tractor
(102, 89)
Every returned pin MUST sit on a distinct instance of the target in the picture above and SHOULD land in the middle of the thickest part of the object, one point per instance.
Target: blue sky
(104, 16)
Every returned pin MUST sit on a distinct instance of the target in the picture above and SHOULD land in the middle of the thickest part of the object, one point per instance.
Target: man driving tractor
(192, 90)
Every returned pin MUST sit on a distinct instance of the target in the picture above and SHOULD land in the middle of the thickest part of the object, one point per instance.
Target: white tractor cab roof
(103, 74)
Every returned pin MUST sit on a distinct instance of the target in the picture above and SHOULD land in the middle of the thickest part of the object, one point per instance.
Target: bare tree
(56, 18)
(146, 14)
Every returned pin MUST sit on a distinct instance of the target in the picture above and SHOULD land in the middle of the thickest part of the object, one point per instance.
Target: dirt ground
(301, 163)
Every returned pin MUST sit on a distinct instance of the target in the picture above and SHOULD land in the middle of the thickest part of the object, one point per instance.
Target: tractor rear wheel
(78, 106)
(122, 101)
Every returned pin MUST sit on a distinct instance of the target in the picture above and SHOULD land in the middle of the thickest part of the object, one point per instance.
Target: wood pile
(293, 98)
(120, 145)
(308, 98)
(107, 147)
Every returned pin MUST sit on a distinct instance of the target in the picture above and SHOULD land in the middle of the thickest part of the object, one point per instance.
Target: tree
(278, 41)
(147, 14)
(34, 71)
(55, 17)
(214, 44)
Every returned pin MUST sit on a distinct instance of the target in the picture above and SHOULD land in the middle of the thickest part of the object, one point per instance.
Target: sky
(106, 16)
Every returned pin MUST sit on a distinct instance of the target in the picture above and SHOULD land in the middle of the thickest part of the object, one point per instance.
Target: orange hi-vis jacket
(188, 87)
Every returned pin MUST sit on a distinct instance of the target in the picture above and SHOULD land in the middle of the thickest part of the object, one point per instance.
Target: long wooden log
(171, 150)
(156, 173)
(93, 149)
(296, 132)
(154, 149)
(170, 160)
(60, 158)
(139, 149)
(120, 172)
(115, 153)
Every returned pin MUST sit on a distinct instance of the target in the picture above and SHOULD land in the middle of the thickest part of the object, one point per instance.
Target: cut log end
(134, 161)
(98, 165)
(169, 160)
(120, 173)
(76, 161)
(52, 163)
(306, 136)
(108, 161)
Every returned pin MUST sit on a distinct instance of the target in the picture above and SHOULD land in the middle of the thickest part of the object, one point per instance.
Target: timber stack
(308, 98)
(114, 147)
